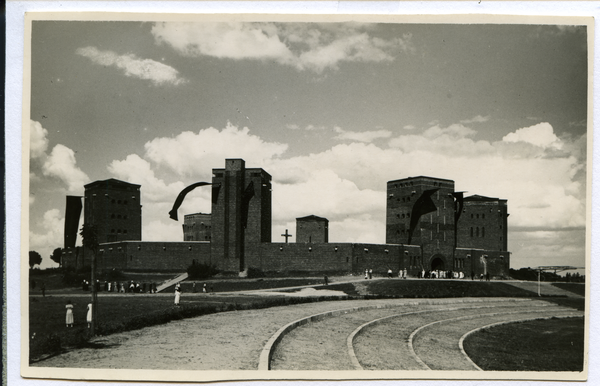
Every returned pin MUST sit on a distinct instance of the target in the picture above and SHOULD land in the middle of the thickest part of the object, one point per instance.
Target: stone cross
(286, 235)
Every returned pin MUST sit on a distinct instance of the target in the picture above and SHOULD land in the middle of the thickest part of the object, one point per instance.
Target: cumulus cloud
(61, 164)
(132, 66)
(338, 198)
(48, 237)
(136, 170)
(361, 136)
(476, 119)
(302, 46)
(541, 135)
(195, 154)
(38, 140)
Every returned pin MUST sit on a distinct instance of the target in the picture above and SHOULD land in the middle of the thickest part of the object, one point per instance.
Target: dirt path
(234, 340)
(223, 341)
(323, 345)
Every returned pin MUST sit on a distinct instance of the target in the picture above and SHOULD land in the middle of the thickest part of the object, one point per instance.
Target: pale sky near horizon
(332, 111)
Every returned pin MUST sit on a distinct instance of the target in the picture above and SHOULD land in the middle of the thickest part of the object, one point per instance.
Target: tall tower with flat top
(241, 213)
(114, 207)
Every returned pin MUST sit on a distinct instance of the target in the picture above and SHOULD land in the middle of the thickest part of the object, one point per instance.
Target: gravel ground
(223, 341)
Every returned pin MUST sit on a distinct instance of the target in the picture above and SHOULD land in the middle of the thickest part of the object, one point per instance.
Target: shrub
(74, 279)
(201, 271)
(254, 273)
(114, 275)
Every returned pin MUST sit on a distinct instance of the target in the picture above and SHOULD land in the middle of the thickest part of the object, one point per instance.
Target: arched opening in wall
(437, 264)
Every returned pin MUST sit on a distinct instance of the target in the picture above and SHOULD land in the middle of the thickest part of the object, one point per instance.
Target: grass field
(576, 288)
(444, 289)
(539, 345)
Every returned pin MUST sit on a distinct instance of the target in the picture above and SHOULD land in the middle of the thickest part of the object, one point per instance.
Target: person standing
(405, 273)
(177, 294)
(204, 288)
(370, 273)
(89, 315)
(69, 317)
(389, 273)
(326, 279)
(366, 273)
(43, 288)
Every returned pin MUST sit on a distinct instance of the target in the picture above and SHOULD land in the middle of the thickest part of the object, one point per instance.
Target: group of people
(121, 287)
(402, 274)
(430, 274)
(71, 320)
(441, 274)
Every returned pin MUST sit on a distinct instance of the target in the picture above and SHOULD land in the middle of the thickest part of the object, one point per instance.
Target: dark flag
(247, 196)
(215, 193)
(181, 196)
(72, 214)
(458, 205)
(423, 205)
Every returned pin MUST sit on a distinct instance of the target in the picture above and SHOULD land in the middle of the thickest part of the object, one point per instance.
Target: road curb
(266, 354)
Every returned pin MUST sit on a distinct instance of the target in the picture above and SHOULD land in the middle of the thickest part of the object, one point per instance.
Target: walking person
(69, 317)
(89, 315)
(177, 294)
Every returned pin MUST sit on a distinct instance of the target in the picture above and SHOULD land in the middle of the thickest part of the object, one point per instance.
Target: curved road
(426, 335)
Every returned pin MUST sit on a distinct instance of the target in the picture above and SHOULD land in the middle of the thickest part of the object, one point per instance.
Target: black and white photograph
(263, 197)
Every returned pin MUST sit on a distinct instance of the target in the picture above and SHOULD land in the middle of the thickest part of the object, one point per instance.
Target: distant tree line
(36, 259)
(532, 275)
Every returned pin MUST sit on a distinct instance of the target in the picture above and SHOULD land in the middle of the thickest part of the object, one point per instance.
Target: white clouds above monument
(130, 65)
(195, 154)
(541, 135)
(302, 46)
(361, 136)
(60, 164)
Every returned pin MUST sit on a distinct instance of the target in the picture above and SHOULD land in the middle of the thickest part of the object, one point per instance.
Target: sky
(331, 110)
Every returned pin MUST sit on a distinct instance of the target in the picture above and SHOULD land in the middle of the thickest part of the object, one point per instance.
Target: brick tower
(241, 212)
(312, 229)
(196, 227)
(114, 207)
(483, 223)
(434, 231)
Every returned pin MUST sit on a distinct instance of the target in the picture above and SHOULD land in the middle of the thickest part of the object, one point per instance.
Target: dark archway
(437, 264)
